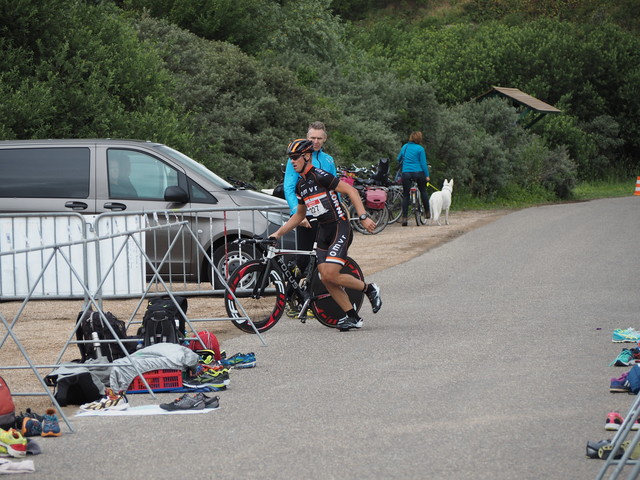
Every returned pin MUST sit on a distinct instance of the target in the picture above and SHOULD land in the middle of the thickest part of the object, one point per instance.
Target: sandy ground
(45, 326)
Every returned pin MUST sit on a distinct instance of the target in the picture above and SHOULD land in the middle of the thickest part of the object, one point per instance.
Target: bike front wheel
(263, 309)
(419, 211)
(378, 215)
(394, 204)
(324, 307)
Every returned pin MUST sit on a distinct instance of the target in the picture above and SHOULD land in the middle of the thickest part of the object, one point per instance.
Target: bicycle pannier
(375, 198)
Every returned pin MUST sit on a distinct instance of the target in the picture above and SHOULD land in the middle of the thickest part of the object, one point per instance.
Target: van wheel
(226, 264)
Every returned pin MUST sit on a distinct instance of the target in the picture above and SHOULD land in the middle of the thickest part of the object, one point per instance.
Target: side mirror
(175, 194)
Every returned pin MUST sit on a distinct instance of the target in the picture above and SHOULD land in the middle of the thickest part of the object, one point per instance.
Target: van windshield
(191, 163)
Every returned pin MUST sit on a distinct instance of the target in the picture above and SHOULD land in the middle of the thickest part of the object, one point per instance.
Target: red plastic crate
(158, 380)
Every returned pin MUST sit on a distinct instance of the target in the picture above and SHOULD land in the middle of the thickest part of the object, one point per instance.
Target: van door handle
(76, 205)
(115, 206)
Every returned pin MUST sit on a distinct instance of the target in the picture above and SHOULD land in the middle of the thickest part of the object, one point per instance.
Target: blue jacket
(320, 160)
(415, 158)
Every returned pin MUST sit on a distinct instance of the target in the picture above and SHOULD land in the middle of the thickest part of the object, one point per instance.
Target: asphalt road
(488, 360)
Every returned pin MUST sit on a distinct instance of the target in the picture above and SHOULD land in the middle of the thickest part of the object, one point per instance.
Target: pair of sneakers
(372, 292)
(32, 424)
(110, 401)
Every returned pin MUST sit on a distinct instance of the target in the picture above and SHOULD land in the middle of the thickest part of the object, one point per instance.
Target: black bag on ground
(92, 322)
(76, 389)
(162, 321)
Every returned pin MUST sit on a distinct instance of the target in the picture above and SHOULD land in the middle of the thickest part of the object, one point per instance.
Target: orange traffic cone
(637, 192)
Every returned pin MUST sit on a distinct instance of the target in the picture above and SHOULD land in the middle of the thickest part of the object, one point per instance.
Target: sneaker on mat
(240, 360)
(185, 402)
(346, 323)
(110, 401)
(50, 425)
(373, 294)
(614, 421)
(624, 359)
(31, 427)
(12, 443)
(209, 402)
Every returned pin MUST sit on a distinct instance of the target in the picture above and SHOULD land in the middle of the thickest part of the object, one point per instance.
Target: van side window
(197, 194)
(45, 172)
(136, 175)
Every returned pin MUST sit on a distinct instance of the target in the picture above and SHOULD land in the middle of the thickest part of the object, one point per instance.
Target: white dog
(439, 201)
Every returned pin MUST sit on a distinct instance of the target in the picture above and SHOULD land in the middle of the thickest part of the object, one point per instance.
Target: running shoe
(12, 443)
(628, 335)
(185, 402)
(209, 402)
(110, 401)
(624, 359)
(594, 447)
(50, 425)
(209, 378)
(346, 323)
(620, 384)
(373, 294)
(30, 427)
(613, 422)
(240, 360)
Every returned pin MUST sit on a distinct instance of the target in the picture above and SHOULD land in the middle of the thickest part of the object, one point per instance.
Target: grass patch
(521, 199)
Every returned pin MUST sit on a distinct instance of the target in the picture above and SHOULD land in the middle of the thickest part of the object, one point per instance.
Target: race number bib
(315, 208)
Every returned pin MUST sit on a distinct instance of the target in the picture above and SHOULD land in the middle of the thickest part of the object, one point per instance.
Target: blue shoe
(620, 384)
(240, 360)
(624, 359)
(628, 335)
(50, 425)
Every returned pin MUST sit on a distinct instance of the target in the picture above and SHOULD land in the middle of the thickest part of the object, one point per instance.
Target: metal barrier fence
(113, 256)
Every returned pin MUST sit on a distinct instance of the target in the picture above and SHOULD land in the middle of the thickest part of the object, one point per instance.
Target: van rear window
(45, 172)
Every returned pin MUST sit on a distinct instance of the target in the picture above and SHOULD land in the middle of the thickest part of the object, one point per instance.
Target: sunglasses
(296, 156)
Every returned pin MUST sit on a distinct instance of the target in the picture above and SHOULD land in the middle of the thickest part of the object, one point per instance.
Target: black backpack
(92, 322)
(162, 321)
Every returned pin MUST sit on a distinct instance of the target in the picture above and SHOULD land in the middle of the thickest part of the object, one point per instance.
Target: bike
(260, 290)
(394, 203)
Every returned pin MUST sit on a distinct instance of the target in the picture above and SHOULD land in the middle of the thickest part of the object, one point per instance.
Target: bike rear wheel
(325, 309)
(264, 310)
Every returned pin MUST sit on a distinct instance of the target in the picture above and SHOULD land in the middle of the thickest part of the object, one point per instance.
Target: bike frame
(274, 255)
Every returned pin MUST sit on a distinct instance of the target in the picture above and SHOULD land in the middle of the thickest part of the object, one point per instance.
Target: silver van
(104, 175)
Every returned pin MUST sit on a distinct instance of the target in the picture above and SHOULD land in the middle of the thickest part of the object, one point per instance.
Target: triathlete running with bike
(316, 193)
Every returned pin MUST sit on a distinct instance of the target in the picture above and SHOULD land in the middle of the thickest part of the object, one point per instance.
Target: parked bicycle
(261, 290)
(415, 204)
(374, 199)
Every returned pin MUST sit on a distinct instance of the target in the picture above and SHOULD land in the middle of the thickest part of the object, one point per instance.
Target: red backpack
(7, 408)
(210, 343)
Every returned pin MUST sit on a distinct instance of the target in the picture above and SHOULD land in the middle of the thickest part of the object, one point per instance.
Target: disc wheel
(325, 309)
(264, 310)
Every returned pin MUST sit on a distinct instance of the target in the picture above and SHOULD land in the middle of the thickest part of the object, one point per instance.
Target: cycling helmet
(300, 146)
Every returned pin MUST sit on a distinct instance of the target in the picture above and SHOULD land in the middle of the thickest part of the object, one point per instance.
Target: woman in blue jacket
(413, 162)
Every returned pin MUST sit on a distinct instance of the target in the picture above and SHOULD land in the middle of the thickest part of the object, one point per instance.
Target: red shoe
(614, 422)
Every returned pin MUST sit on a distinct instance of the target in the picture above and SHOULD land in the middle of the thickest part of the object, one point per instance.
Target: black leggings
(406, 190)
